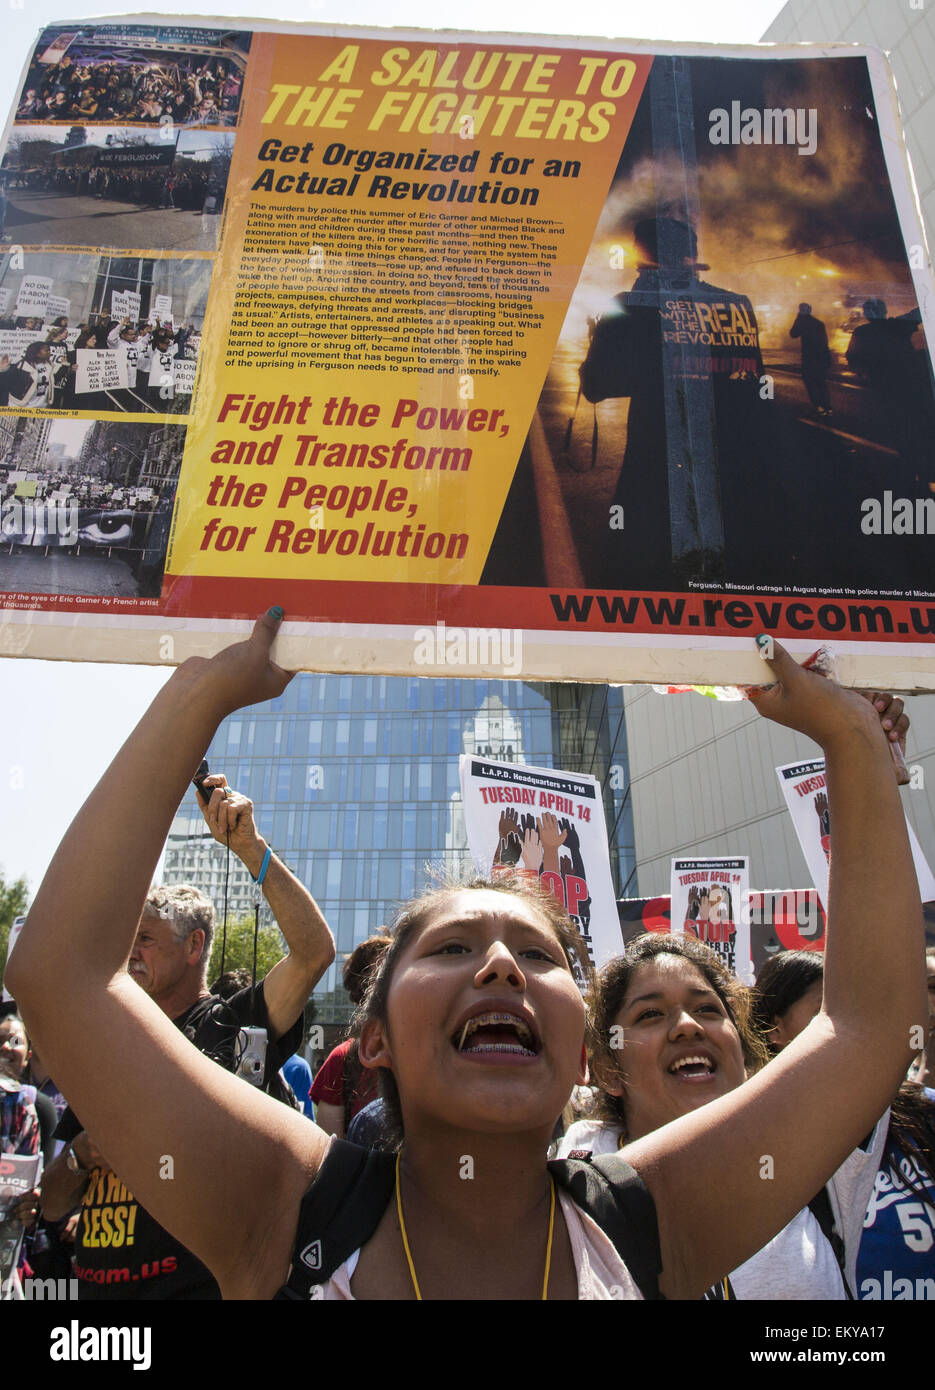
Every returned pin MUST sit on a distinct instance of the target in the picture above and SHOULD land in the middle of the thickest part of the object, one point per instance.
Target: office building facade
(355, 784)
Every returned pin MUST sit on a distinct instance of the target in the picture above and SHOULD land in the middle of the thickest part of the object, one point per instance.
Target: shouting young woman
(476, 1016)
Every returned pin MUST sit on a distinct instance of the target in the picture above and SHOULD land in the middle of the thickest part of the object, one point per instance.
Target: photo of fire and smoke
(741, 382)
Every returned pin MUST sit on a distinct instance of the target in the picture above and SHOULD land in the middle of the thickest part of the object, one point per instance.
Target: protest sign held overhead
(710, 901)
(549, 826)
(19, 1174)
(33, 296)
(100, 371)
(805, 790)
(125, 304)
(615, 351)
(182, 375)
(13, 343)
(780, 920)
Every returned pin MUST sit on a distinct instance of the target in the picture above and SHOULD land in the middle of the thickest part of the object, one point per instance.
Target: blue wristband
(263, 867)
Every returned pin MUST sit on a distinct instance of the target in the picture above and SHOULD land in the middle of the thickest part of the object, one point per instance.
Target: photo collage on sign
(112, 185)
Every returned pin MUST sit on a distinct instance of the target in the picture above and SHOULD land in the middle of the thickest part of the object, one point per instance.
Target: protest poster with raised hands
(710, 901)
(548, 826)
(805, 792)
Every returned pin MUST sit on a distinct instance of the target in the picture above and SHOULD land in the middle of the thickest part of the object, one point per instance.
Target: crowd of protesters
(640, 1178)
(191, 187)
(188, 89)
(45, 375)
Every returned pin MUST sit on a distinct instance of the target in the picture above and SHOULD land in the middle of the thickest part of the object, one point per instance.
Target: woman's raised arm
(240, 1160)
(729, 1176)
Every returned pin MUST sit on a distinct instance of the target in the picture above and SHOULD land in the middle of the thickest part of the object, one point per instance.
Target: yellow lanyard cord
(548, 1248)
(412, 1268)
(402, 1227)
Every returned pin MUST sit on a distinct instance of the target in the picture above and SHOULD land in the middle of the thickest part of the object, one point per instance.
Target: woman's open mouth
(490, 1034)
(693, 1068)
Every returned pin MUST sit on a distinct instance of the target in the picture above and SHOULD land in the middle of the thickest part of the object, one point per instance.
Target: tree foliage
(13, 899)
(239, 951)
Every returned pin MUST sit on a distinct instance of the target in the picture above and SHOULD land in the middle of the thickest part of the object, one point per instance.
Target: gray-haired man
(120, 1251)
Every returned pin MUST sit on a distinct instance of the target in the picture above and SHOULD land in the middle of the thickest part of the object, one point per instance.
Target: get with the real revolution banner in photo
(610, 355)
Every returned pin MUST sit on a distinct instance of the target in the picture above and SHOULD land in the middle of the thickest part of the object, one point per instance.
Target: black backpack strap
(339, 1213)
(721, 1292)
(344, 1205)
(820, 1207)
(614, 1195)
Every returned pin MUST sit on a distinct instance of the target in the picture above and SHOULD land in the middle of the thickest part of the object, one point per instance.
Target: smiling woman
(673, 1031)
(476, 1018)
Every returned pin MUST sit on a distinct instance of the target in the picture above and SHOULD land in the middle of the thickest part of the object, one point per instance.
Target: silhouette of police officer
(881, 352)
(816, 357)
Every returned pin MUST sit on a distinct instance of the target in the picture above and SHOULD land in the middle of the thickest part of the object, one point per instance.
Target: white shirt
(602, 1275)
(798, 1264)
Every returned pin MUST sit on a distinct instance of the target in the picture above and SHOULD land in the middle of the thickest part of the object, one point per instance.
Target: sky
(62, 722)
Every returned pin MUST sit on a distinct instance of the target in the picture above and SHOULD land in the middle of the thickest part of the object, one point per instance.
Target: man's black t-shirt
(213, 1025)
(122, 1252)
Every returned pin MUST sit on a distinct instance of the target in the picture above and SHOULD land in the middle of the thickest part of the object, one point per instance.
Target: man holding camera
(120, 1251)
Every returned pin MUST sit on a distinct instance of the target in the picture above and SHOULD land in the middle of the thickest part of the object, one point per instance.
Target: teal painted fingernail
(276, 613)
(764, 645)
